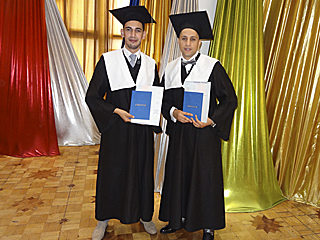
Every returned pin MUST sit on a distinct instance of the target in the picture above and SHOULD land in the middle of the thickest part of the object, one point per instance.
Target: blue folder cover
(140, 104)
(192, 103)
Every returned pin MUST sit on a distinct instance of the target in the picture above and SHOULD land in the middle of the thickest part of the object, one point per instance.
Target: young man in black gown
(125, 185)
(193, 194)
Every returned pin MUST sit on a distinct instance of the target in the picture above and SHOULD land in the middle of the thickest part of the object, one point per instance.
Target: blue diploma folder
(192, 103)
(140, 104)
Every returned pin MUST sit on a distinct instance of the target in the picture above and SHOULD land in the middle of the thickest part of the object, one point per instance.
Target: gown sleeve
(167, 102)
(224, 92)
(156, 82)
(100, 109)
(172, 97)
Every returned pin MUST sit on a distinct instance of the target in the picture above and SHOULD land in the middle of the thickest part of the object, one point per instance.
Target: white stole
(119, 73)
(200, 72)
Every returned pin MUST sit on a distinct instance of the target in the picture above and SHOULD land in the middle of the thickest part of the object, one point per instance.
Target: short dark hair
(137, 21)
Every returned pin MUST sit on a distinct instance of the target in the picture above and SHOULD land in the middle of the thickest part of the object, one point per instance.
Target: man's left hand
(199, 124)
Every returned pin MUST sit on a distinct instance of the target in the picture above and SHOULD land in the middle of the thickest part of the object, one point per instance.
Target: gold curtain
(91, 28)
(156, 33)
(292, 50)
(249, 176)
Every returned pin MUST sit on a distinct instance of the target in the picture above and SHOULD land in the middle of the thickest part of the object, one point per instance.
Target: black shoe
(207, 236)
(167, 229)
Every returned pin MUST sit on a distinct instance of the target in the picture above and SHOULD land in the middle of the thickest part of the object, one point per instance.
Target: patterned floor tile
(53, 198)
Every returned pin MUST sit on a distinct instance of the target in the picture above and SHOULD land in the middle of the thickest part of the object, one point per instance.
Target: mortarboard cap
(137, 13)
(197, 21)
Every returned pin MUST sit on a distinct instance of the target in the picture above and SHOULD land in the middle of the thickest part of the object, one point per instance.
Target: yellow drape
(292, 50)
(156, 33)
(92, 29)
(249, 176)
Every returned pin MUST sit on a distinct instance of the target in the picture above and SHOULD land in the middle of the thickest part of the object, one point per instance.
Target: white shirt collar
(127, 53)
(193, 57)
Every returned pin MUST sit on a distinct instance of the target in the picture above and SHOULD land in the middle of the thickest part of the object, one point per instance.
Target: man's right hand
(123, 114)
(180, 116)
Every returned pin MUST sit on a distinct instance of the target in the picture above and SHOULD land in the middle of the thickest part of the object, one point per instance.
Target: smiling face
(133, 33)
(189, 42)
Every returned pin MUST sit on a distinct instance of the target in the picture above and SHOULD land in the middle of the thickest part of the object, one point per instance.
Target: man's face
(133, 33)
(189, 42)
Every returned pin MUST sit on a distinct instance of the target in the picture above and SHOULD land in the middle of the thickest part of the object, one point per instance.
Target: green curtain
(249, 176)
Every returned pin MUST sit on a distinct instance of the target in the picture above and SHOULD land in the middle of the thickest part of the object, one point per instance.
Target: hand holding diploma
(196, 99)
(123, 114)
(199, 124)
(150, 106)
(181, 116)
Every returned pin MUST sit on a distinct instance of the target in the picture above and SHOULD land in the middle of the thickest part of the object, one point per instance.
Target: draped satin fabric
(153, 46)
(156, 33)
(292, 76)
(171, 51)
(249, 178)
(92, 29)
(74, 123)
(27, 126)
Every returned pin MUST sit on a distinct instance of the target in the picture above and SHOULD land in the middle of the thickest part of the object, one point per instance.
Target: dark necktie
(184, 63)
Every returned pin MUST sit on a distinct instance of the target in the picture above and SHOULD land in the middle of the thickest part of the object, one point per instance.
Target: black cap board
(137, 13)
(197, 21)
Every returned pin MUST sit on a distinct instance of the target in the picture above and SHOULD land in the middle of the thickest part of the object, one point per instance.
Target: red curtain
(27, 127)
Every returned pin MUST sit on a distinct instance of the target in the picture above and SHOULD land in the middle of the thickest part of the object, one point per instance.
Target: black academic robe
(125, 181)
(193, 185)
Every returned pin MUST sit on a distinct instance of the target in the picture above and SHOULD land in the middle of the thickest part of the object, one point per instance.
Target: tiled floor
(53, 198)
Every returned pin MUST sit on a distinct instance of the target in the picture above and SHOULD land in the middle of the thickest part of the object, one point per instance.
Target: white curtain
(171, 51)
(74, 123)
(210, 7)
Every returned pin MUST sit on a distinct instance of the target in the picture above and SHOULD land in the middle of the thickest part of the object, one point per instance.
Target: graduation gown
(193, 185)
(125, 184)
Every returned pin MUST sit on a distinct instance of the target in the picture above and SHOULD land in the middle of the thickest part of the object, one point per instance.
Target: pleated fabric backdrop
(27, 126)
(156, 33)
(39, 112)
(249, 176)
(292, 62)
(74, 123)
(171, 51)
